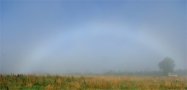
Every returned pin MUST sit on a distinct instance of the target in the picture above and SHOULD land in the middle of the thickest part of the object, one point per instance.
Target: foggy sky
(60, 36)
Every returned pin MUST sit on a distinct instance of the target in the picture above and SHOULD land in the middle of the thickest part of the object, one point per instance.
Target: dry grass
(33, 82)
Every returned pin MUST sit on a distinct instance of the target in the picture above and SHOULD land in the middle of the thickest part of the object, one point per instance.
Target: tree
(167, 65)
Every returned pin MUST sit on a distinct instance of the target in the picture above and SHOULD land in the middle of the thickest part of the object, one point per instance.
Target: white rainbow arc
(42, 49)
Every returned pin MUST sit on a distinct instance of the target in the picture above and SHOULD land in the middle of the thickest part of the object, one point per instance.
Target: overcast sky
(60, 36)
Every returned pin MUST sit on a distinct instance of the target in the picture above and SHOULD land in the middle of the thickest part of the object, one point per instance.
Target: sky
(68, 36)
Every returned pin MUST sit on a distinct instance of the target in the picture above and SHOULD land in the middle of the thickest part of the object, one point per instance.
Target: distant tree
(167, 65)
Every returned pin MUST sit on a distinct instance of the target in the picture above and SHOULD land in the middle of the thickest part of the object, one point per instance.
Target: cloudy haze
(60, 36)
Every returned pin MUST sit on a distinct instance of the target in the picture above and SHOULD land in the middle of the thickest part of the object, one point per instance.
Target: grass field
(47, 82)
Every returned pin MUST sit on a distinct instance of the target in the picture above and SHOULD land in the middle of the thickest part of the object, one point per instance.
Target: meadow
(98, 82)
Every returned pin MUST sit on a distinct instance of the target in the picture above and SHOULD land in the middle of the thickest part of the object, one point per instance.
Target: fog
(79, 36)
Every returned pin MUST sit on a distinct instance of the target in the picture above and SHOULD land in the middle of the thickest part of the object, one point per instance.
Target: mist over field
(91, 36)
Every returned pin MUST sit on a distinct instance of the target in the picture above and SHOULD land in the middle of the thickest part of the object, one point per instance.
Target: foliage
(167, 65)
(33, 82)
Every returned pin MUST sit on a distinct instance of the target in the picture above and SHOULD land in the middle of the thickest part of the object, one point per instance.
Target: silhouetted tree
(167, 65)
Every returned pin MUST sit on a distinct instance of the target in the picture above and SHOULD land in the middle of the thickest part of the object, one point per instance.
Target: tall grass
(33, 82)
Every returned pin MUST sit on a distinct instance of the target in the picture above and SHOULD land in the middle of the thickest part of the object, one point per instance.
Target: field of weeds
(47, 82)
